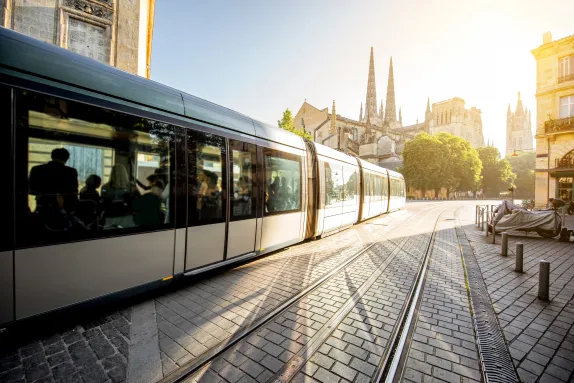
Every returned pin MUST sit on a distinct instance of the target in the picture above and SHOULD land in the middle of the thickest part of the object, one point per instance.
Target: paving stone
(271, 363)
(325, 376)
(37, 372)
(253, 369)
(231, 373)
(363, 367)
(61, 371)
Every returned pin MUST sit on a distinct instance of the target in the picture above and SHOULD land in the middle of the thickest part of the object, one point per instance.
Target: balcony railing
(564, 163)
(568, 77)
(560, 125)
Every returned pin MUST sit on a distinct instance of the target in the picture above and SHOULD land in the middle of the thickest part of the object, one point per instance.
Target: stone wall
(127, 35)
(36, 18)
(104, 30)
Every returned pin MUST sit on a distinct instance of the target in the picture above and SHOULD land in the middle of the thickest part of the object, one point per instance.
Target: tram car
(114, 183)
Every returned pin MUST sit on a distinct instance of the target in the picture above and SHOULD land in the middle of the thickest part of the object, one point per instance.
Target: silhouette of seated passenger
(89, 207)
(117, 196)
(147, 208)
(90, 191)
(54, 184)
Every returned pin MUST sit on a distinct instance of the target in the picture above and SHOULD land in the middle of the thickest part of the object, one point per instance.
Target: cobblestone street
(347, 295)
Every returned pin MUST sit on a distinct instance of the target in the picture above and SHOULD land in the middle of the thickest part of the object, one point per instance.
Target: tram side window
(334, 186)
(90, 172)
(206, 172)
(282, 182)
(378, 188)
(350, 183)
(243, 193)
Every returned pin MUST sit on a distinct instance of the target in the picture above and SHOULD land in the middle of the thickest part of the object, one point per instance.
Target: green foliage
(497, 175)
(523, 166)
(463, 166)
(287, 123)
(423, 162)
(443, 160)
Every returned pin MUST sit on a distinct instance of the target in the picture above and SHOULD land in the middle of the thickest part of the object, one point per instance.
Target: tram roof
(25, 54)
(372, 167)
(326, 151)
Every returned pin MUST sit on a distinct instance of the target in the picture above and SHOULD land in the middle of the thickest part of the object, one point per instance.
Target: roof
(29, 56)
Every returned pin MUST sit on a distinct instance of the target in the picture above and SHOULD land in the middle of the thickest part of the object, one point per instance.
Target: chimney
(546, 38)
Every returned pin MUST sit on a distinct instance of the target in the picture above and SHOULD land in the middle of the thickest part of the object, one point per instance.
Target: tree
(497, 175)
(287, 123)
(462, 164)
(523, 166)
(423, 163)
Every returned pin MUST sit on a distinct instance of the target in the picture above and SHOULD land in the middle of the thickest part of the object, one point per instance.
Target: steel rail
(395, 355)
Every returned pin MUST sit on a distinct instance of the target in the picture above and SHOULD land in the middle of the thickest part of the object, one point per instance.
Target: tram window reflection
(334, 186)
(243, 191)
(90, 172)
(206, 168)
(282, 182)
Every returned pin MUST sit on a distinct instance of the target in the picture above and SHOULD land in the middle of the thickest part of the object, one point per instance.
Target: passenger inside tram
(54, 184)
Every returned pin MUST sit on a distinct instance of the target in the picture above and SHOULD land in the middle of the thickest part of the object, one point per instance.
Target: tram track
(193, 371)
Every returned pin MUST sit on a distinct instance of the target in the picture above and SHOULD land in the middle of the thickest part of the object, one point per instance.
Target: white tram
(114, 182)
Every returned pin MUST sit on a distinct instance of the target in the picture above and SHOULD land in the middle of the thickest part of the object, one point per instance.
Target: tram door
(243, 198)
(206, 199)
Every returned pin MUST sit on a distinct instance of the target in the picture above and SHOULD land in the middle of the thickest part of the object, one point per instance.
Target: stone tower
(518, 128)
(333, 127)
(428, 117)
(371, 103)
(391, 109)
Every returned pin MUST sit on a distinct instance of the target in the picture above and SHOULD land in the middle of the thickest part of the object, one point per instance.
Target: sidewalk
(540, 335)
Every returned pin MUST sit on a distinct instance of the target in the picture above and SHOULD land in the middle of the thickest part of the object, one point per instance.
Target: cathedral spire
(332, 128)
(509, 111)
(519, 108)
(381, 110)
(371, 104)
(428, 105)
(391, 110)
(361, 113)
(401, 117)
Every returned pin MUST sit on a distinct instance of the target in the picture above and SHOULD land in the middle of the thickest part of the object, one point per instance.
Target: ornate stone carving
(91, 8)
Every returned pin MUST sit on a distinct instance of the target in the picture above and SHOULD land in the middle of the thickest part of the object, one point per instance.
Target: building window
(567, 106)
(566, 69)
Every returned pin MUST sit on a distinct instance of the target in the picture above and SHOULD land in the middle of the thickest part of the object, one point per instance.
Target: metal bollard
(519, 258)
(504, 245)
(544, 280)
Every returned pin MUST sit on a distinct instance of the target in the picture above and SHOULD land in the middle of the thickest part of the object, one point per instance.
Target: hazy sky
(261, 57)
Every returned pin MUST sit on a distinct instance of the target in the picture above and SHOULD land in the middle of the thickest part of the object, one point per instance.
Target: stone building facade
(518, 129)
(554, 118)
(451, 116)
(378, 135)
(115, 32)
